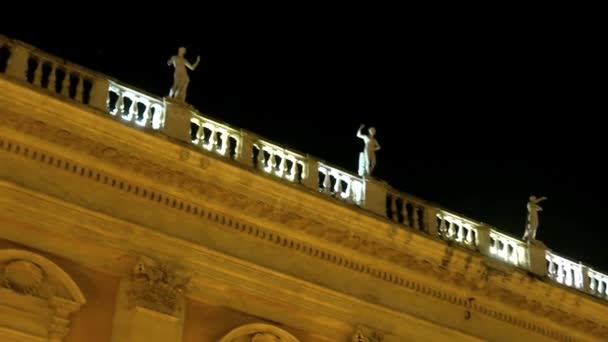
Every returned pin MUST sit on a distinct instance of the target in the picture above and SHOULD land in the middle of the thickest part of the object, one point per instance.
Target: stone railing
(280, 162)
(27, 64)
(134, 106)
(340, 184)
(214, 136)
(56, 75)
(406, 210)
(458, 229)
(564, 271)
(598, 283)
(509, 249)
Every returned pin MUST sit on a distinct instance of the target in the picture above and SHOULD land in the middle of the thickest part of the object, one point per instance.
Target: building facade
(125, 216)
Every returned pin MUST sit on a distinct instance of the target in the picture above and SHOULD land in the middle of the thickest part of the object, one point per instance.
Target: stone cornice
(354, 235)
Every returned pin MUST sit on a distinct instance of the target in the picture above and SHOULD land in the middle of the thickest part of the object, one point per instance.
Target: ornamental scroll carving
(157, 286)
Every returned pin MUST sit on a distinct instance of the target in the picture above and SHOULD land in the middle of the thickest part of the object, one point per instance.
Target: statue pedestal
(374, 196)
(177, 120)
(536, 258)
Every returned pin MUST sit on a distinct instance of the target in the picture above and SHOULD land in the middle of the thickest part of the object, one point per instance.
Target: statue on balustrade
(180, 77)
(532, 224)
(367, 158)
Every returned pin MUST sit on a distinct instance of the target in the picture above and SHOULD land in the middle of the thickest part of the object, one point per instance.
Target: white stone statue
(367, 158)
(532, 224)
(180, 77)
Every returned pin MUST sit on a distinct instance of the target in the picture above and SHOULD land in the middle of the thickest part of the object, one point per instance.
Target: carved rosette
(365, 334)
(157, 287)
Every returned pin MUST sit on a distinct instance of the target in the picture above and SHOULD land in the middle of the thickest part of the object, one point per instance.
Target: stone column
(177, 120)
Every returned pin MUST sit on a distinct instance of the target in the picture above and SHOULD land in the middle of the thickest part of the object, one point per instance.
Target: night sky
(473, 115)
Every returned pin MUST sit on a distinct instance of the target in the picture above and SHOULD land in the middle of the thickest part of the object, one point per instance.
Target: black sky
(474, 114)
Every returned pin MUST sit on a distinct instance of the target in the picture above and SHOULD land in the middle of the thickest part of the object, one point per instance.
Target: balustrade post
(17, 63)
(177, 120)
(430, 221)
(585, 274)
(311, 173)
(99, 94)
(483, 238)
(244, 154)
(374, 196)
(537, 263)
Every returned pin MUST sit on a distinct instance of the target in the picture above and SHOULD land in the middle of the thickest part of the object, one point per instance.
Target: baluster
(327, 182)
(282, 166)
(211, 141)
(52, 78)
(469, 238)
(261, 161)
(560, 273)
(79, 88)
(222, 140)
(291, 172)
(338, 185)
(442, 227)
(348, 191)
(147, 116)
(119, 107)
(134, 110)
(394, 208)
(65, 86)
(404, 213)
(416, 217)
(38, 73)
(200, 134)
(451, 229)
(272, 161)
(460, 232)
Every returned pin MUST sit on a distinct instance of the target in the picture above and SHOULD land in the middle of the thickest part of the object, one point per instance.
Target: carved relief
(57, 296)
(258, 332)
(157, 287)
(23, 277)
(365, 334)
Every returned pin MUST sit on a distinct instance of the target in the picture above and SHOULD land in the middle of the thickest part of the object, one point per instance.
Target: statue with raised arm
(180, 77)
(532, 224)
(367, 158)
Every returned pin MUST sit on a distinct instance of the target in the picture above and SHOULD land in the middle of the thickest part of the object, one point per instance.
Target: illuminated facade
(129, 217)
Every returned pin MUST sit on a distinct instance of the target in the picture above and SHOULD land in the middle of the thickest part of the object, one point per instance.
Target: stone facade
(116, 227)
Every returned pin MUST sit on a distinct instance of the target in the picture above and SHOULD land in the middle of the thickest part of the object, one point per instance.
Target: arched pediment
(31, 274)
(37, 298)
(258, 332)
